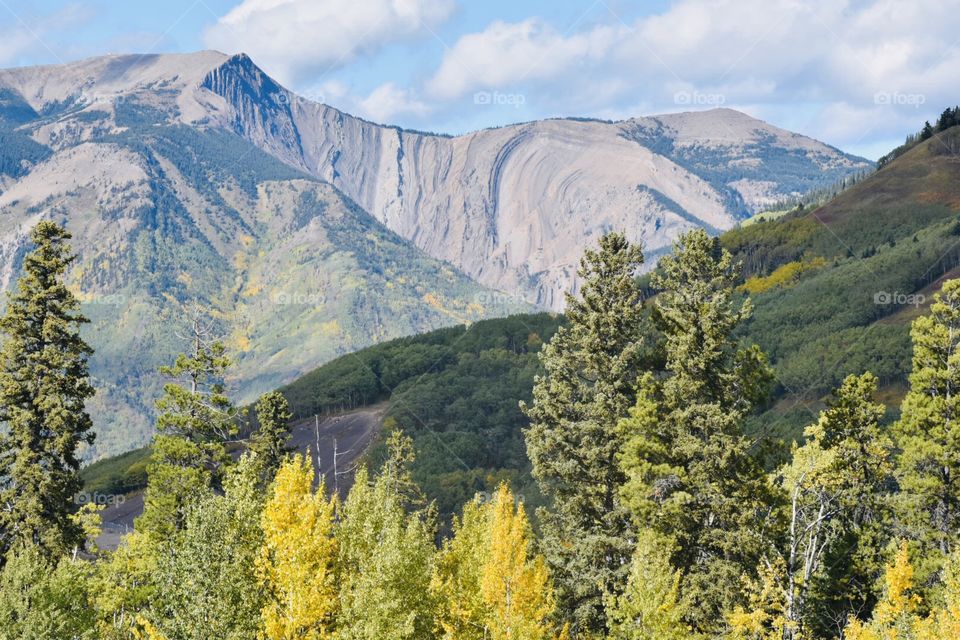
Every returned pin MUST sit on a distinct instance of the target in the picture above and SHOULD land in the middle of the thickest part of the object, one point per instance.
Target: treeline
(374, 373)
(950, 117)
(661, 519)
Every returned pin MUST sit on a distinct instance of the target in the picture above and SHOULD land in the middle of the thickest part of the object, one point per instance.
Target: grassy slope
(894, 233)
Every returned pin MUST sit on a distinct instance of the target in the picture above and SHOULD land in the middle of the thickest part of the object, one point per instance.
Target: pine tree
(269, 442)
(928, 469)
(297, 564)
(591, 366)
(690, 473)
(44, 383)
(196, 418)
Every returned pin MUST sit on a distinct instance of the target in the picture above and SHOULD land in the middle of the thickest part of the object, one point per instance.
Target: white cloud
(506, 53)
(293, 38)
(831, 57)
(389, 101)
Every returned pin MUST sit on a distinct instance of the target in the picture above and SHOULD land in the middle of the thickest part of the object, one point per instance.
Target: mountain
(514, 207)
(197, 179)
(166, 216)
(834, 291)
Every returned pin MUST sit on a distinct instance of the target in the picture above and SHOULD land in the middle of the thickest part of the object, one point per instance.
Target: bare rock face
(512, 207)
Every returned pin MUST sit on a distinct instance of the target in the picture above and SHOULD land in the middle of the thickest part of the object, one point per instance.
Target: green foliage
(44, 385)
(688, 469)
(205, 576)
(117, 475)
(929, 465)
(836, 506)
(196, 417)
(649, 607)
(386, 559)
(42, 599)
(269, 443)
(591, 365)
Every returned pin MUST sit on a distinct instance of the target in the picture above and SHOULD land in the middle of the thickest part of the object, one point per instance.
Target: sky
(857, 74)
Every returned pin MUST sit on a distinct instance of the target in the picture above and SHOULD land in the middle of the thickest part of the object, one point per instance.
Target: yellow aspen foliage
(489, 583)
(895, 617)
(297, 562)
(514, 585)
(146, 631)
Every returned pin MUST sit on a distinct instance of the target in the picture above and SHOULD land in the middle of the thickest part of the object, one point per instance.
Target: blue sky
(858, 74)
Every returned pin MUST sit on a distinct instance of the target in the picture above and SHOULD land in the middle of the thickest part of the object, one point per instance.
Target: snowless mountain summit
(512, 207)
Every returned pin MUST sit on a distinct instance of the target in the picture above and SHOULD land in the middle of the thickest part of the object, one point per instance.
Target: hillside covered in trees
(833, 290)
(661, 520)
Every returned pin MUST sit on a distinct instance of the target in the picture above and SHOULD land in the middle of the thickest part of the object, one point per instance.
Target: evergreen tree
(928, 468)
(44, 383)
(297, 564)
(196, 418)
(927, 132)
(690, 473)
(591, 366)
(269, 442)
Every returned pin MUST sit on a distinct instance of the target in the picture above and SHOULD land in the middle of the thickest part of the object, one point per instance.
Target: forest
(660, 514)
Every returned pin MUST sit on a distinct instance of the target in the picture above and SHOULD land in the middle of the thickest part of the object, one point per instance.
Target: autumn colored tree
(297, 565)
(488, 580)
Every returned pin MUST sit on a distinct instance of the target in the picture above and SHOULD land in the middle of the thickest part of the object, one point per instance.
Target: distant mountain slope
(196, 177)
(835, 288)
(165, 216)
(512, 207)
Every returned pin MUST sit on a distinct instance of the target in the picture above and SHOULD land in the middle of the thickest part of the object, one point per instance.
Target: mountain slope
(166, 216)
(512, 207)
(864, 265)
